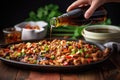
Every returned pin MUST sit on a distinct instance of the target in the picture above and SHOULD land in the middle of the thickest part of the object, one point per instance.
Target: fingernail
(86, 16)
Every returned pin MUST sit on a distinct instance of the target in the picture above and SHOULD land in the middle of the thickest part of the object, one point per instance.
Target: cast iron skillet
(49, 68)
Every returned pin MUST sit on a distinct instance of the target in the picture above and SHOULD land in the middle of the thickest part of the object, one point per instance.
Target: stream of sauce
(51, 27)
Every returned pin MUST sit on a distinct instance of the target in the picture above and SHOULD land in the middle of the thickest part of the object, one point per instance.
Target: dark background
(15, 11)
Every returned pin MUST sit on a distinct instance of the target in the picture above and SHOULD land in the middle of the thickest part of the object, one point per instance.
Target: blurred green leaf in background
(44, 13)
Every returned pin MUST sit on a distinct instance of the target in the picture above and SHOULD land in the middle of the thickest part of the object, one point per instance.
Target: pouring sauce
(51, 27)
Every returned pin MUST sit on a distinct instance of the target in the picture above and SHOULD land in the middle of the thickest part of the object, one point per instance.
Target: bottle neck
(53, 22)
(71, 14)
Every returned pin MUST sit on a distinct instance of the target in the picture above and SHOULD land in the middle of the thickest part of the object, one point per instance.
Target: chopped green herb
(52, 57)
(87, 55)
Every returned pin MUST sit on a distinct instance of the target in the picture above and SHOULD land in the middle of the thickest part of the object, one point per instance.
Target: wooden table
(110, 70)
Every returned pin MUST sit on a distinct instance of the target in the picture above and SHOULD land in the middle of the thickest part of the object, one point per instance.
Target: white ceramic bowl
(101, 33)
(32, 34)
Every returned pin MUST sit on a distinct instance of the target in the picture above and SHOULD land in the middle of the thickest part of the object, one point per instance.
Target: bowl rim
(101, 35)
(97, 38)
(20, 25)
(38, 30)
(86, 29)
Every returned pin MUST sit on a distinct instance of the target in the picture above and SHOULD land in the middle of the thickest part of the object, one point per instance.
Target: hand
(94, 4)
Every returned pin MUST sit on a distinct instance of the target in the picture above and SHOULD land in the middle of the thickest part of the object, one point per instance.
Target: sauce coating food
(56, 52)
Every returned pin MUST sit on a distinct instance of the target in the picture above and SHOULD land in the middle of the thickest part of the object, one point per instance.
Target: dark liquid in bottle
(76, 17)
(79, 21)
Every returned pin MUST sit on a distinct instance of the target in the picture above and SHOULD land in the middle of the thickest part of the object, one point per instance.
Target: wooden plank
(69, 77)
(43, 76)
(101, 72)
(91, 75)
(7, 72)
(115, 58)
(108, 70)
(22, 75)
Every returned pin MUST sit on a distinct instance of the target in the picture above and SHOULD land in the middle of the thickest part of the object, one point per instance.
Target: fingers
(94, 5)
(91, 10)
(77, 4)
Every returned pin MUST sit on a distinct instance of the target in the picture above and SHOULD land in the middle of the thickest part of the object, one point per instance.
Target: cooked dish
(28, 26)
(11, 35)
(56, 52)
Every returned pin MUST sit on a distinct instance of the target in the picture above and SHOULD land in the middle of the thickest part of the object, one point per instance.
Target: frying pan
(53, 68)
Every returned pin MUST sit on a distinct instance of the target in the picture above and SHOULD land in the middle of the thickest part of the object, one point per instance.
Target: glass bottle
(76, 17)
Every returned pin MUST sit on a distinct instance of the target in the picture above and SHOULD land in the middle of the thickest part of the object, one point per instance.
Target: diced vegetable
(55, 52)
